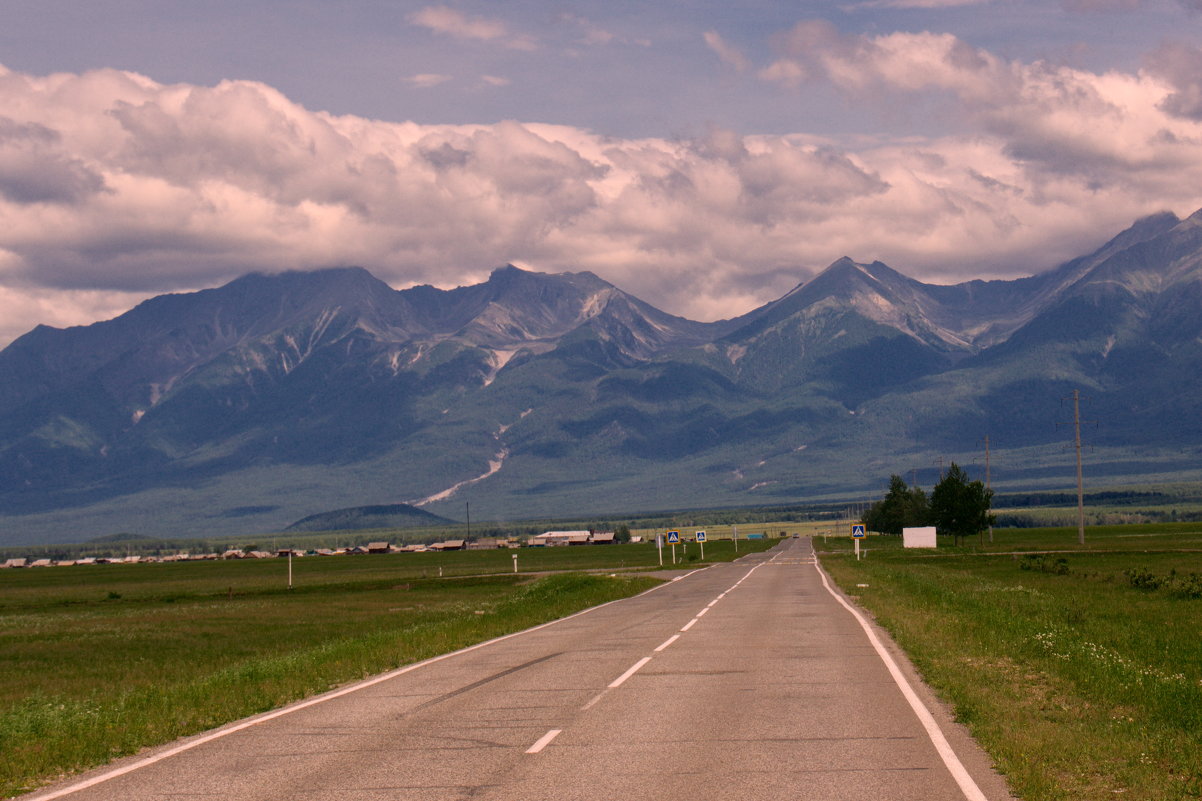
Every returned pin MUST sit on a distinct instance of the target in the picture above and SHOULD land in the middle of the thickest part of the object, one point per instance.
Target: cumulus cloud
(139, 188)
(454, 23)
(726, 52)
(1106, 130)
(1180, 65)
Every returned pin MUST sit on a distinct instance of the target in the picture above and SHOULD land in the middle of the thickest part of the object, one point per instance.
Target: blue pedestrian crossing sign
(858, 530)
(701, 536)
(673, 537)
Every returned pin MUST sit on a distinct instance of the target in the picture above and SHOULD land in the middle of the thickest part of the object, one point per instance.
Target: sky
(704, 156)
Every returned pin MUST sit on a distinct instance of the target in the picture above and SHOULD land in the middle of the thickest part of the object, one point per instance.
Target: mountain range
(248, 407)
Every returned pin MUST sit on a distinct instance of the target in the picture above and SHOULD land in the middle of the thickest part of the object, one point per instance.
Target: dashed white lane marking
(953, 763)
(321, 699)
(703, 611)
(633, 669)
(667, 642)
(544, 741)
(688, 625)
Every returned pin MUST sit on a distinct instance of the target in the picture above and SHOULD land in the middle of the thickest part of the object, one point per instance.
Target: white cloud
(726, 52)
(451, 22)
(495, 80)
(425, 80)
(114, 187)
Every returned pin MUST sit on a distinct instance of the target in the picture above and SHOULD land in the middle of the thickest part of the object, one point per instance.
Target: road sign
(673, 537)
(858, 530)
(701, 536)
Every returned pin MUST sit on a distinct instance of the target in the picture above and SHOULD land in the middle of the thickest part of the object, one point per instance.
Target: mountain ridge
(300, 392)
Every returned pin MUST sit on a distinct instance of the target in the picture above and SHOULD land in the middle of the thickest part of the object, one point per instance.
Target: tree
(622, 533)
(902, 506)
(960, 507)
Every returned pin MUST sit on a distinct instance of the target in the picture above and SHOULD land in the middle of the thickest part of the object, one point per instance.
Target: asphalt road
(747, 680)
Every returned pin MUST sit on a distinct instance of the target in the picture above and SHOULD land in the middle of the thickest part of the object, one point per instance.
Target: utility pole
(1080, 483)
(468, 506)
(987, 482)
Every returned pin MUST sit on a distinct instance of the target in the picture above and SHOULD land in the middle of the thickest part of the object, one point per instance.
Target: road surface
(748, 680)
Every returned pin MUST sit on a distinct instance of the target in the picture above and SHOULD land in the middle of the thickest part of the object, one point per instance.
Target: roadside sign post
(858, 532)
(515, 563)
(701, 542)
(735, 533)
(289, 568)
(673, 538)
(659, 544)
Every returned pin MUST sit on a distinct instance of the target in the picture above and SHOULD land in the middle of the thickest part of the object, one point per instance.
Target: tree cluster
(957, 506)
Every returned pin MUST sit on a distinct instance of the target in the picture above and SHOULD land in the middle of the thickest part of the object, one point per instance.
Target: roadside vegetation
(100, 661)
(1079, 668)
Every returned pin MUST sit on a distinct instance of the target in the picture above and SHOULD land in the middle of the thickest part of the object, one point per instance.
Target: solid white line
(953, 763)
(703, 611)
(667, 642)
(689, 625)
(711, 603)
(543, 741)
(320, 699)
(633, 669)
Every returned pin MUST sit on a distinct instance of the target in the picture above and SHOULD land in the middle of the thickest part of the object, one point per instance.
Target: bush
(1143, 579)
(1045, 564)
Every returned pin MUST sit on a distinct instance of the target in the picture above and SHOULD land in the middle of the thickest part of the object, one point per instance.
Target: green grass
(1078, 668)
(100, 661)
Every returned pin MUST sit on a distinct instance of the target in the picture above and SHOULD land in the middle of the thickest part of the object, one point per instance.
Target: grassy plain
(100, 661)
(1079, 668)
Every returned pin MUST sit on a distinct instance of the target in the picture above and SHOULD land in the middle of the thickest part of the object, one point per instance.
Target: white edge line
(667, 642)
(314, 701)
(543, 741)
(633, 669)
(967, 786)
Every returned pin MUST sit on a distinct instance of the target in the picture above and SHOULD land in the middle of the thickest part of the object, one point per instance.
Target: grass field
(100, 661)
(1079, 668)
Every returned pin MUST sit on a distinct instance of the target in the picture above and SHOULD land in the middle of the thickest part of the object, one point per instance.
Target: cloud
(1106, 130)
(139, 188)
(34, 168)
(451, 22)
(495, 80)
(426, 80)
(727, 53)
(1181, 66)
